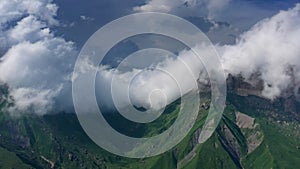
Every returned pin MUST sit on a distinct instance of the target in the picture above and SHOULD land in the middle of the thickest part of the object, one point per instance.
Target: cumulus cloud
(35, 64)
(270, 49)
(188, 7)
(13, 10)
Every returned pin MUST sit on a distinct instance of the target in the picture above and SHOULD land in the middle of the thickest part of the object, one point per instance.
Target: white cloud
(86, 18)
(270, 48)
(35, 64)
(150, 88)
(11, 10)
(34, 100)
(28, 29)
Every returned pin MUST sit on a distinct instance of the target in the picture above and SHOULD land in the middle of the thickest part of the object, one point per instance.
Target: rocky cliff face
(237, 85)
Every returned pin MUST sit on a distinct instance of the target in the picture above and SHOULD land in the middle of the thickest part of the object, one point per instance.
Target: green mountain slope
(248, 136)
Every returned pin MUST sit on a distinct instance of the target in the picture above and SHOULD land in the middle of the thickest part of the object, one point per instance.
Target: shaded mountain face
(254, 133)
